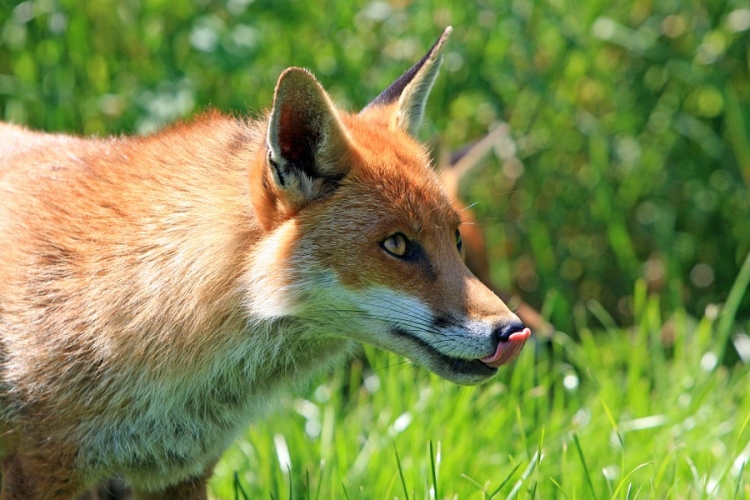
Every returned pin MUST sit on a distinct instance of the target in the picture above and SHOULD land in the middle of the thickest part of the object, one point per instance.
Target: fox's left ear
(407, 96)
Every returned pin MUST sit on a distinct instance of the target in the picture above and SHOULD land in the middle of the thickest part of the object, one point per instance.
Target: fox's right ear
(407, 96)
(308, 147)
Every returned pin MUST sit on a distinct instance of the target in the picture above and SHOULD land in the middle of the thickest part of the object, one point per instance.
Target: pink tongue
(508, 350)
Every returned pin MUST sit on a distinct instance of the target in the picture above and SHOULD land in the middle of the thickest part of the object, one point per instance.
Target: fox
(158, 294)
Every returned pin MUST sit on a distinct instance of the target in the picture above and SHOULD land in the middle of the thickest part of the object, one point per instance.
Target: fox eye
(459, 242)
(395, 245)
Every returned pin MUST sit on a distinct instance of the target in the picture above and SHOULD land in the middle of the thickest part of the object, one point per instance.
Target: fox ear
(408, 94)
(307, 145)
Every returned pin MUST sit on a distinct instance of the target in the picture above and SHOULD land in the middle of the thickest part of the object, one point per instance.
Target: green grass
(629, 119)
(644, 412)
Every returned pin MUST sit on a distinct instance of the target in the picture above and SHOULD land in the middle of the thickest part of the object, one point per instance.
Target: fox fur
(158, 294)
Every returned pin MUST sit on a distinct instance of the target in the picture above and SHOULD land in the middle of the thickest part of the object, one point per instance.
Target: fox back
(159, 293)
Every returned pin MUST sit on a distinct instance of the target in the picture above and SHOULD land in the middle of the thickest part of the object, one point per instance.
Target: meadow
(618, 414)
(618, 206)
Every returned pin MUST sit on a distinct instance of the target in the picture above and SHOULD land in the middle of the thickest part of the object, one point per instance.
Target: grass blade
(524, 477)
(400, 473)
(434, 471)
(622, 482)
(346, 494)
(539, 454)
(695, 473)
(612, 420)
(728, 313)
(291, 489)
(739, 480)
(585, 467)
(532, 493)
(320, 480)
(307, 484)
(238, 488)
(559, 487)
(505, 481)
(472, 481)
(731, 463)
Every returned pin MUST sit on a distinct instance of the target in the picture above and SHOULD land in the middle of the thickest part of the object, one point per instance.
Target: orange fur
(159, 293)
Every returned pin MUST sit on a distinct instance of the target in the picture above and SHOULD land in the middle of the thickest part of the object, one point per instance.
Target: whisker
(418, 325)
(450, 319)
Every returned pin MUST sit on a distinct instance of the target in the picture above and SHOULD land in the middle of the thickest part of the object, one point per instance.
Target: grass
(644, 412)
(639, 108)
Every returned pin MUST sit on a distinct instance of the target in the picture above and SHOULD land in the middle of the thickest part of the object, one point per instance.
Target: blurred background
(629, 148)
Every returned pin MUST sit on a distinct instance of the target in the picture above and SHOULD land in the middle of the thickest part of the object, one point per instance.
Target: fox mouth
(507, 350)
(477, 369)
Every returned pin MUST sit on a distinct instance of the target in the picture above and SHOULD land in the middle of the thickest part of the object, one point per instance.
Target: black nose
(503, 331)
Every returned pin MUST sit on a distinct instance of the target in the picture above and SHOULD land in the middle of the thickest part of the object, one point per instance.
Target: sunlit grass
(645, 412)
(628, 153)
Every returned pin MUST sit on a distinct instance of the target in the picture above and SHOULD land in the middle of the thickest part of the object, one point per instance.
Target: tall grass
(645, 412)
(629, 156)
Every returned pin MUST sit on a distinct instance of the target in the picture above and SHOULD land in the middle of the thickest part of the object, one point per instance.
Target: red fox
(158, 294)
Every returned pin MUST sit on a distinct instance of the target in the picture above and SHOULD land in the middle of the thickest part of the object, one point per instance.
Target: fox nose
(504, 330)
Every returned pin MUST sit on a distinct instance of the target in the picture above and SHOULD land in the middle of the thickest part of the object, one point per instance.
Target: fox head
(361, 240)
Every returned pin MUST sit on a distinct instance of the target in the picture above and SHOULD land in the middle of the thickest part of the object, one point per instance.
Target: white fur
(269, 289)
(197, 417)
(370, 315)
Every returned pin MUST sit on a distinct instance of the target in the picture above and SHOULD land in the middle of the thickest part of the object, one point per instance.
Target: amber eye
(459, 242)
(395, 244)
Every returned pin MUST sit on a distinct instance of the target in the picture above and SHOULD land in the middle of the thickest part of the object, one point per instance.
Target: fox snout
(460, 346)
(503, 331)
(511, 338)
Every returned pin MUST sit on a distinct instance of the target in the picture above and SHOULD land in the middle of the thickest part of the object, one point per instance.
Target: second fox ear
(408, 94)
